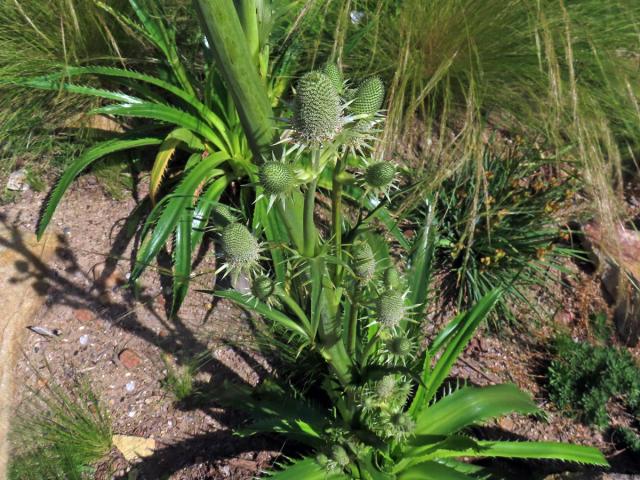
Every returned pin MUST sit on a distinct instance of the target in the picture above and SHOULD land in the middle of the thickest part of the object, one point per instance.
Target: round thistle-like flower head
(276, 178)
(223, 214)
(262, 288)
(240, 247)
(386, 388)
(391, 278)
(334, 74)
(390, 309)
(317, 108)
(379, 175)
(364, 262)
(340, 456)
(399, 346)
(398, 349)
(401, 425)
(368, 98)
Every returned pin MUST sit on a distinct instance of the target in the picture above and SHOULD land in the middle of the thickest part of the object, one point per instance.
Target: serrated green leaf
(432, 471)
(533, 450)
(305, 468)
(172, 209)
(165, 113)
(181, 261)
(469, 406)
(206, 202)
(264, 310)
(89, 156)
(459, 340)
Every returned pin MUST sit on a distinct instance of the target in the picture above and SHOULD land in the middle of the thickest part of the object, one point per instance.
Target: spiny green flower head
(391, 278)
(379, 175)
(390, 309)
(276, 177)
(401, 425)
(317, 109)
(340, 456)
(398, 349)
(262, 288)
(386, 388)
(241, 249)
(399, 346)
(223, 214)
(334, 74)
(368, 98)
(364, 262)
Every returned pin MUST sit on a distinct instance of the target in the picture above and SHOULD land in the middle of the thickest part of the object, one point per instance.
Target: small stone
(130, 386)
(84, 340)
(129, 358)
(17, 181)
(134, 448)
(83, 314)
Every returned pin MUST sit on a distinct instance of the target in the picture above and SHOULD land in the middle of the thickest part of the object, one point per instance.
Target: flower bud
(334, 74)
(380, 174)
(240, 247)
(368, 98)
(276, 178)
(390, 309)
(364, 262)
(262, 288)
(317, 108)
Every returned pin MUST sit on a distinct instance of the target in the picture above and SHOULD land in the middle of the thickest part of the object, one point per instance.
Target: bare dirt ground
(98, 320)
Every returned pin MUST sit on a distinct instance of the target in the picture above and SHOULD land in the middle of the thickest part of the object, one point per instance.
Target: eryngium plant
(201, 142)
(375, 408)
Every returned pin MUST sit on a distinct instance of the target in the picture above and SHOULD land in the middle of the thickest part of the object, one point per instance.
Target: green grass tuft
(60, 434)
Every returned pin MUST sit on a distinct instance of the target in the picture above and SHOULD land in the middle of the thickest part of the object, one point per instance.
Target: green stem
(336, 218)
(309, 227)
(233, 58)
(353, 324)
(295, 308)
(293, 233)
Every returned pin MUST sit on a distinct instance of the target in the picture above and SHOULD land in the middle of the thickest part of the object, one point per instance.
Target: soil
(118, 342)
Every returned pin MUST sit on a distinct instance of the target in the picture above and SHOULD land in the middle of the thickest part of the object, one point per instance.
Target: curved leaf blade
(165, 113)
(264, 310)
(89, 156)
(472, 405)
(173, 208)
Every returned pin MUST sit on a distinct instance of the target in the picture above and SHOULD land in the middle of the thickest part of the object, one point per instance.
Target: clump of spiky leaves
(59, 433)
(211, 142)
(502, 220)
(372, 408)
(317, 110)
(584, 379)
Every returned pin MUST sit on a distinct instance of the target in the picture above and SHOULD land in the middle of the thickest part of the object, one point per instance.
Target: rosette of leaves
(202, 140)
(373, 406)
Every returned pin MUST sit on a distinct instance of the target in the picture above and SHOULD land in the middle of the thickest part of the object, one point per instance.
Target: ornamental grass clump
(359, 394)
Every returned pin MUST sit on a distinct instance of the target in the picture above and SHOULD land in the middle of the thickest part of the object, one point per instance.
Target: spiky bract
(317, 108)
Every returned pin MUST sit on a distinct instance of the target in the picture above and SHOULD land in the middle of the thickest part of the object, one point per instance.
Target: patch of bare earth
(117, 342)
